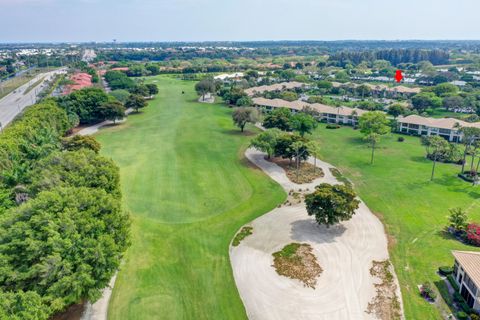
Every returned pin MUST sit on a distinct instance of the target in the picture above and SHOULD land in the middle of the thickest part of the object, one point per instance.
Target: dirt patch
(385, 305)
(306, 172)
(297, 261)
(74, 312)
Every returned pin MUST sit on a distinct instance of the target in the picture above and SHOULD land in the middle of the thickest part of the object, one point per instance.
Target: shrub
(332, 126)
(474, 316)
(445, 270)
(462, 315)
(453, 282)
(401, 139)
(428, 292)
(461, 301)
(473, 234)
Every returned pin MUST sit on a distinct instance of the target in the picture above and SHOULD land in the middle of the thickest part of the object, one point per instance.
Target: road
(14, 103)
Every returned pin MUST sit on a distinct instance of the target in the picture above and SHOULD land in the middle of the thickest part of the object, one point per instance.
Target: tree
(65, 244)
(289, 96)
(154, 69)
(266, 141)
(469, 136)
(278, 118)
(78, 142)
(141, 90)
(331, 204)
(396, 110)
(314, 150)
(288, 148)
(85, 103)
(152, 88)
(205, 86)
(120, 94)
(451, 102)
(458, 219)
(112, 110)
(241, 116)
(303, 123)
(136, 102)
(424, 100)
(373, 125)
(244, 101)
(118, 80)
(21, 305)
(443, 89)
(436, 146)
(299, 149)
(82, 168)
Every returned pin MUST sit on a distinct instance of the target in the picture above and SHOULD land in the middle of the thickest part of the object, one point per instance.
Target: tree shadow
(419, 159)
(233, 132)
(442, 287)
(310, 230)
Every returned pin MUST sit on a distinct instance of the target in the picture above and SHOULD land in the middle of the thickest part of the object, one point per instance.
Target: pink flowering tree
(473, 234)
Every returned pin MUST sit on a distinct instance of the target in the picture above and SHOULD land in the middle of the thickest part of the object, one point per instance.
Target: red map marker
(398, 75)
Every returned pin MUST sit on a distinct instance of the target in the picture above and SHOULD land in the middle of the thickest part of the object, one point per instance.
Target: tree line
(63, 231)
(394, 56)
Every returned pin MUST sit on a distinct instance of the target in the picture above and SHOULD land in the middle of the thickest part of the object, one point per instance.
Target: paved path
(345, 253)
(94, 129)
(14, 103)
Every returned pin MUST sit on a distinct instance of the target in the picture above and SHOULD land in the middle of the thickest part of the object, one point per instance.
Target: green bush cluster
(62, 227)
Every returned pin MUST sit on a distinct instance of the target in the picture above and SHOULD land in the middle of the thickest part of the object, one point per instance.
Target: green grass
(442, 113)
(189, 189)
(414, 210)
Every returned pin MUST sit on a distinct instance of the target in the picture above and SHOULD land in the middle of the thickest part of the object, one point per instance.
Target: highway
(14, 103)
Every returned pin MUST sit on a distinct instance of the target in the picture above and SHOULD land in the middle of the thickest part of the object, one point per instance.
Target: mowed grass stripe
(189, 189)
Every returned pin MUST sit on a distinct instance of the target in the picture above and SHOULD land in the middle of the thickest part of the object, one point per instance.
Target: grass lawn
(189, 190)
(414, 210)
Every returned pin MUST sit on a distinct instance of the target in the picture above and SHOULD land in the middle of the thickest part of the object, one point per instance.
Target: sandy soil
(344, 252)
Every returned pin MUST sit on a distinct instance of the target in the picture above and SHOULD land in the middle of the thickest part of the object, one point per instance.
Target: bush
(453, 282)
(473, 234)
(461, 301)
(474, 316)
(462, 315)
(332, 126)
(401, 139)
(428, 292)
(445, 270)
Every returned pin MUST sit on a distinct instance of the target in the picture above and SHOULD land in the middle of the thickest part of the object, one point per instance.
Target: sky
(236, 20)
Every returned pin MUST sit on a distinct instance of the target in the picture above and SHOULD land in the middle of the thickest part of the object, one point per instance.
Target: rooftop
(470, 262)
(442, 123)
(275, 87)
(299, 105)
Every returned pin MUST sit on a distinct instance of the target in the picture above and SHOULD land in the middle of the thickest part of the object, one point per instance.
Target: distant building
(448, 128)
(466, 273)
(275, 87)
(340, 115)
(231, 76)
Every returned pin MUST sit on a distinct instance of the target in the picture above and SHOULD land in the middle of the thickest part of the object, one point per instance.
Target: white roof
(299, 105)
(442, 123)
(275, 87)
(470, 262)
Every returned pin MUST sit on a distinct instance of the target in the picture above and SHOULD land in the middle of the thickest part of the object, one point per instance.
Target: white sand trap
(345, 252)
